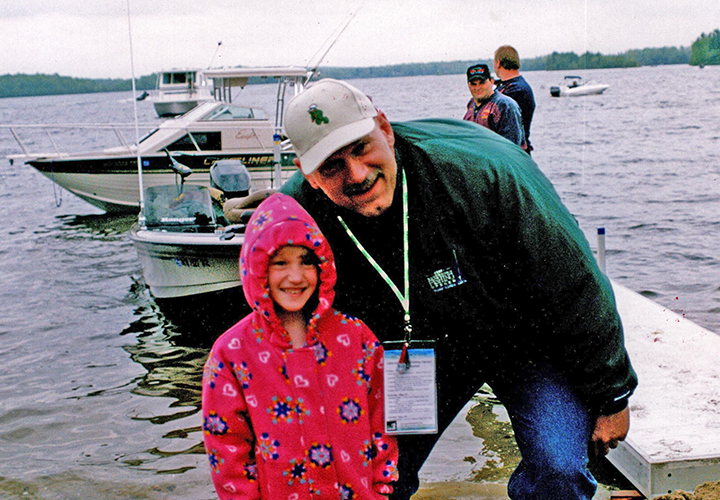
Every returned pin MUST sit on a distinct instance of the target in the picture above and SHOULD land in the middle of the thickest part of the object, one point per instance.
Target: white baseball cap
(326, 117)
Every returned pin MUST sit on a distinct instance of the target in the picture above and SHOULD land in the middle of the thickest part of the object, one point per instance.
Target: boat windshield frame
(231, 112)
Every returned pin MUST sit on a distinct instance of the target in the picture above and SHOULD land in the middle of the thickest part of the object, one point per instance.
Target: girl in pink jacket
(292, 394)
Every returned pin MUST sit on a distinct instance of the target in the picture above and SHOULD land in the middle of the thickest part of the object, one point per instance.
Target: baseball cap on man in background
(478, 72)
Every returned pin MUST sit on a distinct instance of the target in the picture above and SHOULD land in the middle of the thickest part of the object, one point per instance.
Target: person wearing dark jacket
(511, 83)
(491, 109)
(498, 273)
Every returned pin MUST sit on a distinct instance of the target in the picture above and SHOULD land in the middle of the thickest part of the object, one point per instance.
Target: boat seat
(236, 210)
(179, 209)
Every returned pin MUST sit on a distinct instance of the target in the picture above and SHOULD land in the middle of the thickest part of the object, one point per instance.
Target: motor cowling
(231, 177)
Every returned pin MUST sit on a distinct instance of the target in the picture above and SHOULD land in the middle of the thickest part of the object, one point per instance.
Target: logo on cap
(478, 72)
(316, 115)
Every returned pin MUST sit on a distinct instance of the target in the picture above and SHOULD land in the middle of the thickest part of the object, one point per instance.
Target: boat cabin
(179, 81)
(180, 90)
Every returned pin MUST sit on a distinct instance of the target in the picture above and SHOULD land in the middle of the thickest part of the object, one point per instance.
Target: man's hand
(609, 431)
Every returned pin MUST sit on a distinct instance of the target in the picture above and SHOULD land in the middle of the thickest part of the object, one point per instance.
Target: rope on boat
(57, 190)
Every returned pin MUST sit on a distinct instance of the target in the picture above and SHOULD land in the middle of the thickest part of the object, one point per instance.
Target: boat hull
(179, 264)
(111, 183)
(587, 89)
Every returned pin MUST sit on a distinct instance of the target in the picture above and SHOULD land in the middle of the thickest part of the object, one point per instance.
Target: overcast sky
(89, 38)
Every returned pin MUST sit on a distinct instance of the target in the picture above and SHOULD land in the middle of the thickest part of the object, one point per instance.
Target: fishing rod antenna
(216, 51)
(334, 37)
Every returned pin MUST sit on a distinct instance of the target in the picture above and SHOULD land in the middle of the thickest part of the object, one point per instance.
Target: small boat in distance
(180, 90)
(576, 86)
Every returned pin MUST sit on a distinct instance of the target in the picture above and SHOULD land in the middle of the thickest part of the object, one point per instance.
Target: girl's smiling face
(292, 278)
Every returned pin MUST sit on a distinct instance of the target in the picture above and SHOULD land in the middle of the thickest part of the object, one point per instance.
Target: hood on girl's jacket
(280, 221)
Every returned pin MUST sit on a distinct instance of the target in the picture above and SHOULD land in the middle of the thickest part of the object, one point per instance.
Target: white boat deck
(674, 440)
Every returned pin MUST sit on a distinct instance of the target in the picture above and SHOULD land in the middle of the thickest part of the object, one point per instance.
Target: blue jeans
(552, 429)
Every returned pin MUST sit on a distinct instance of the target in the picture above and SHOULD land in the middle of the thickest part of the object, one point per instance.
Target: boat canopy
(224, 79)
(238, 77)
(261, 71)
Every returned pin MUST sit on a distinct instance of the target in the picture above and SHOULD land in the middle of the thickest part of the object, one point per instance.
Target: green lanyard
(403, 298)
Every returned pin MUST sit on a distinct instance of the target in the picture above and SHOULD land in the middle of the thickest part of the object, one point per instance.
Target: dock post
(601, 248)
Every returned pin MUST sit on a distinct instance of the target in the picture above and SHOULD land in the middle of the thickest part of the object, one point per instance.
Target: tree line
(553, 62)
(704, 51)
(34, 85)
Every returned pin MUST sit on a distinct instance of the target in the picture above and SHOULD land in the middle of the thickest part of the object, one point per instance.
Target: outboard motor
(555, 91)
(231, 177)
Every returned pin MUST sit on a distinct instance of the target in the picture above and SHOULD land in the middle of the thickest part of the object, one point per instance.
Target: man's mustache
(365, 185)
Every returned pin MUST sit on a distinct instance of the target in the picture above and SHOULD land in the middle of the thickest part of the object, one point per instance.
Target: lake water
(99, 387)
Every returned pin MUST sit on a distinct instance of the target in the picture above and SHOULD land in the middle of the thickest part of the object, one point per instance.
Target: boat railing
(28, 136)
(58, 140)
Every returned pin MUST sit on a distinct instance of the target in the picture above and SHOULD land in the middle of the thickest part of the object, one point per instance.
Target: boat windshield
(166, 205)
(227, 112)
(573, 81)
(178, 77)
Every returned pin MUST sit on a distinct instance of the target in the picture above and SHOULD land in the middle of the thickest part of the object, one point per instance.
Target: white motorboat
(212, 131)
(180, 264)
(188, 241)
(180, 90)
(575, 86)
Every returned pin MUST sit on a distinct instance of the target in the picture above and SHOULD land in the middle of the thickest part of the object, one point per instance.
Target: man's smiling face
(362, 175)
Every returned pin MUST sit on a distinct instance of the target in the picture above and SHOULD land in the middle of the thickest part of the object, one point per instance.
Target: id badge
(410, 388)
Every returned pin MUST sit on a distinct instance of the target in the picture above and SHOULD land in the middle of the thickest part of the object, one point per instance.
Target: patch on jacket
(442, 279)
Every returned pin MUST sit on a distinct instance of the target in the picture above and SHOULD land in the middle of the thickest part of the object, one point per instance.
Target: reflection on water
(96, 226)
(173, 371)
(199, 320)
(100, 390)
(173, 355)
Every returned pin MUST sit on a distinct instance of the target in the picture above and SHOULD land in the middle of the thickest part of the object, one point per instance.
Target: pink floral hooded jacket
(283, 423)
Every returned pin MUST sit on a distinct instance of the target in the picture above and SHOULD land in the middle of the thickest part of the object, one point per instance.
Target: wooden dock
(674, 440)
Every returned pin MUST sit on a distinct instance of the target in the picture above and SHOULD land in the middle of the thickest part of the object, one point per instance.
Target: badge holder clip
(410, 386)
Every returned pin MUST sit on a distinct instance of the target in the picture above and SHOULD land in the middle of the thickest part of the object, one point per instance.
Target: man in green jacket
(487, 262)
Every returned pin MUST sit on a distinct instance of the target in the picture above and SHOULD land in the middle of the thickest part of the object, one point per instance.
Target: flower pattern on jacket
(242, 373)
(268, 448)
(210, 371)
(320, 455)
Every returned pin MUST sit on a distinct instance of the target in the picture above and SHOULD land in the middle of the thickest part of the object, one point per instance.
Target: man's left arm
(569, 315)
